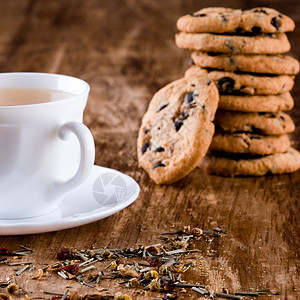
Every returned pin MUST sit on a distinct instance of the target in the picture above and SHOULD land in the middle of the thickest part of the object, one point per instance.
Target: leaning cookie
(240, 165)
(244, 142)
(263, 123)
(256, 103)
(268, 43)
(229, 82)
(177, 129)
(266, 64)
(220, 20)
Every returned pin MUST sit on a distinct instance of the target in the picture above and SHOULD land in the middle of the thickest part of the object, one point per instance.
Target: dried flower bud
(167, 286)
(4, 297)
(39, 274)
(154, 262)
(64, 254)
(72, 269)
(180, 244)
(155, 284)
(112, 266)
(163, 270)
(127, 271)
(151, 275)
(197, 231)
(119, 296)
(4, 251)
(134, 282)
(106, 254)
(11, 288)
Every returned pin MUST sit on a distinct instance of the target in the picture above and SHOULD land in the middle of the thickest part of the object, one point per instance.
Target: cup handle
(87, 155)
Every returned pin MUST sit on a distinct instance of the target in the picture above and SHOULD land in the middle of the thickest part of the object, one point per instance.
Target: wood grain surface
(125, 50)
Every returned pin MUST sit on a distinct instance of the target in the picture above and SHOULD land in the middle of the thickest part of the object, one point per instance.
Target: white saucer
(104, 193)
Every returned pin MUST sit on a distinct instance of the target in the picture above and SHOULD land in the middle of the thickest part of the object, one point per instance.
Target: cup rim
(51, 103)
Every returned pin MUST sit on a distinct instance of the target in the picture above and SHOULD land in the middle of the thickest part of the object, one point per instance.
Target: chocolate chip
(200, 15)
(178, 124)
(159, 149)
(232, 61)
(224, 19)
(226, 84)
(184, 115)
(145, 147)
(275, 22)
(192, 105)
(256, 29)
(162, 107)
(159, 164)
(209, 82)
(146, 130)
(280, 16)
(229, 45)
(271, 35)
(239, 29)
(188, 97)
(191, 62)
(282, 118)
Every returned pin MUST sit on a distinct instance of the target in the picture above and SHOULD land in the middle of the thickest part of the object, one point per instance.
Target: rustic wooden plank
(126, 51)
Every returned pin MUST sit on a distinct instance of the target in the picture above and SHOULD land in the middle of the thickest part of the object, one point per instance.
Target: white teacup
(45, 150)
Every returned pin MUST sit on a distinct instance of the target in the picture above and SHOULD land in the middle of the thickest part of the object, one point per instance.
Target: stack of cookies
(242, 52)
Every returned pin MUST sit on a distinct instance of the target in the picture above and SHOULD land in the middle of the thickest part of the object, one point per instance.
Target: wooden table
(125, 50)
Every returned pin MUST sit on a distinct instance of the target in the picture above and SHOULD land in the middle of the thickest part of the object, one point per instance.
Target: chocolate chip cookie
(177, 129)
(268, 64)
(261, 123)
(256, 103)
(267, 43)
(249, 165)
(220, 20)
(244, 142)
(229, 82)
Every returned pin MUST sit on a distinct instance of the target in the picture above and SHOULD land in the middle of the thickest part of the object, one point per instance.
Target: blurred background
(123, 49)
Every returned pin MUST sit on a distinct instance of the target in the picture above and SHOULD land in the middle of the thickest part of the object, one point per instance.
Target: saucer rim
(23, 226)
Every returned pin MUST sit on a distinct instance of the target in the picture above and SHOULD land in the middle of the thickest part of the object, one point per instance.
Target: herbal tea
(23, 96)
